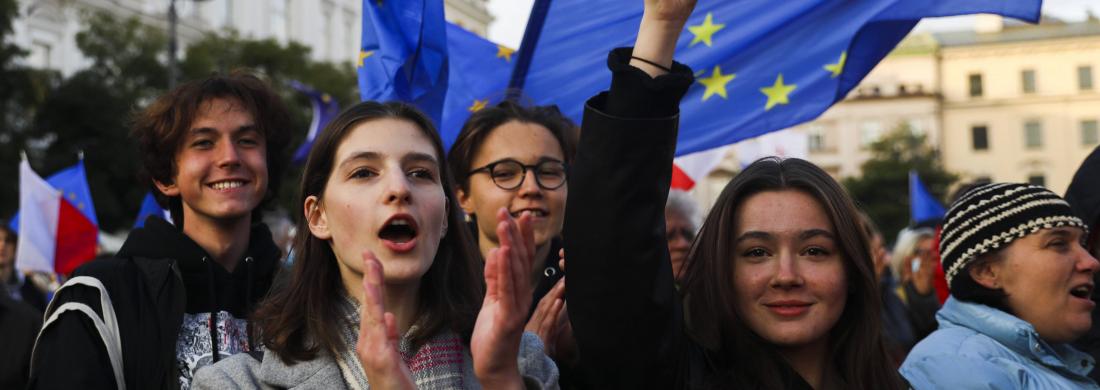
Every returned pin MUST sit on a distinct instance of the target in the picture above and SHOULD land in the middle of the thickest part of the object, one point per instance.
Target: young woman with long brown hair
(778, 287)
(384, 288)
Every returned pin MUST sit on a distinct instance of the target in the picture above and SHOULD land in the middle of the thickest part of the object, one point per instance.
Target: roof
(1014, 32)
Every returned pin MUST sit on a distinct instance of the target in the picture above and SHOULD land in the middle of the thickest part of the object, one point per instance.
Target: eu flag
(762, 65)
(923, 207)
(403, 54)
(150, 208)
(479, 72)
(324, 106)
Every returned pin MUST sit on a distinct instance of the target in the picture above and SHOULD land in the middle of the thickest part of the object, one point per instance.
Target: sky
(510, 18)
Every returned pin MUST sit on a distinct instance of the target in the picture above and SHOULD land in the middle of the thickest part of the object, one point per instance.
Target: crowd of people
(416, 267)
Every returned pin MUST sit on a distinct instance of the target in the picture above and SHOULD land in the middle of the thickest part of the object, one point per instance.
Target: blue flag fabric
(73, 184)
(923, 207)
(479, 72)
(403, 54)
(324, 106)
(761, 65)
(150, 207)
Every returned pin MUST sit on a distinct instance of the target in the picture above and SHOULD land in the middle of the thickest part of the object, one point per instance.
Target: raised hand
(549, 320)
(499, 327)
(662, 23)
(377, 346)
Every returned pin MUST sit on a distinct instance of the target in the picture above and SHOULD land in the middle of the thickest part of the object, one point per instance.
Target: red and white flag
(54, 234)
(693, 168)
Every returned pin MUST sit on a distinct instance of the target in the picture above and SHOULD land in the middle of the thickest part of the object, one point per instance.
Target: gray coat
(242, 371)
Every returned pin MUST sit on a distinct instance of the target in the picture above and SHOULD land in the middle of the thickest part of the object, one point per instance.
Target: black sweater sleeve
(625, 312)
(70, 354)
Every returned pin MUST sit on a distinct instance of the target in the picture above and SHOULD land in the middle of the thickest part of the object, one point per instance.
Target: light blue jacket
(979, 347)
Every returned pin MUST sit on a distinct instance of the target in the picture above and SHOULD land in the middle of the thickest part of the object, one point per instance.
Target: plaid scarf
(443, 362)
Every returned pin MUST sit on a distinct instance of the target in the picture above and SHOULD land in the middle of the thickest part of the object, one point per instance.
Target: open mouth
(226, 185)
(1083, 291)
(399, 229)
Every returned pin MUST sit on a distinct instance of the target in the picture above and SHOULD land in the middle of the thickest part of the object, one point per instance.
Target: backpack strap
(107, 325)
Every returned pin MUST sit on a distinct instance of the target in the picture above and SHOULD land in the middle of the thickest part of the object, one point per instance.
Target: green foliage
(883, 190)
(90, 111)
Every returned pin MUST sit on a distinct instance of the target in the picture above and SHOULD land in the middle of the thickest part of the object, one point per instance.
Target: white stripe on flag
(699, 164)
(39, 204)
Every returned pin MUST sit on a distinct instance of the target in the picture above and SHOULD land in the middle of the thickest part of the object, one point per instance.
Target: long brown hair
(742, 357)
(304, 317)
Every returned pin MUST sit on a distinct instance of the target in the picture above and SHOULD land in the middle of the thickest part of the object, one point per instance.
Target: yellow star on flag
(80, 205)
(777, 93)
(326, 98)
(364, 54)
(838, 66)
(716, 83)
(72, 196)
(705, 31)
(478, 105)
(505, 53)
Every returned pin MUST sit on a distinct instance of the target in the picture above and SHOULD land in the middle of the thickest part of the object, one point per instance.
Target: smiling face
(384, 194)
(220, 166)
(529, 144)
(789, 275)
(1048, 279)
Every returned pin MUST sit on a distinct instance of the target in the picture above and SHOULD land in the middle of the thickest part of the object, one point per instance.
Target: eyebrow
(373, 156)
(805, 235)
(206, 130)
(1059, 231)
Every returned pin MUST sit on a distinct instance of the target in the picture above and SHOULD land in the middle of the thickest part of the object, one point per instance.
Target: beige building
(1020, 103)
(330, 28)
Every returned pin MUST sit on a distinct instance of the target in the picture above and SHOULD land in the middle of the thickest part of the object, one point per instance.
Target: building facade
(331, 28)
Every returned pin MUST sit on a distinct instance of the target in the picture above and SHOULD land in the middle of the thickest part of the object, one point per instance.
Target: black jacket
(157, 277)
(19, 323)
(626, 313)
(1084, 196)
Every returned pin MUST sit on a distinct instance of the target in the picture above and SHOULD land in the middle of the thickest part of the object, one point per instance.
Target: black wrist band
(656, 65)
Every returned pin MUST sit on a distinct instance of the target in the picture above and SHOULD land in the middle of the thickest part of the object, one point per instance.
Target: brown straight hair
(856, 345)
(301, 319)
(161, 127)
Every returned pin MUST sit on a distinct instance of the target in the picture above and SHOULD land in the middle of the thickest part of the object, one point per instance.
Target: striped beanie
(993, 215)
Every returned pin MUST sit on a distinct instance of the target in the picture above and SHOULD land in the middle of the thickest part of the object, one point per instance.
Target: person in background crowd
(1084, 196)
(384, 292)
(19, 324)
(213, 151)
(516, 157)
(897, 326)
(914, 269)
(1020, 280)
(779, 287)
(19, 287)
(682, 220)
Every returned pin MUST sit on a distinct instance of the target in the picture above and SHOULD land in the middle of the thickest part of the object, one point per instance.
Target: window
(1090, 132)
(975, 85)
(1033, 135)
(1027, 78)
(869, 133)
(278, 19)
(1084, 78)
(816, 139)
(1037, 180)
(979, 137)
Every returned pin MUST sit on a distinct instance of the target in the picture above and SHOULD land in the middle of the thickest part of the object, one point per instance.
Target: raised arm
(622, 304)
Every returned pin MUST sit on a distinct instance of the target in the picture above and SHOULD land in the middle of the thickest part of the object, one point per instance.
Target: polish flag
(54, 234)
(693, 168)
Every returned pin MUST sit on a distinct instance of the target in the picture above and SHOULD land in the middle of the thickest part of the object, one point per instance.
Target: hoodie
(1083, 196)
(165, 289)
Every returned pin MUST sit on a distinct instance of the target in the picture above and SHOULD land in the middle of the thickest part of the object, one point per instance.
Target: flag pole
(527, 48)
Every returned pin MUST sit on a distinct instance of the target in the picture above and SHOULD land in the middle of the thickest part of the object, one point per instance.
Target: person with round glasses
(516, 157)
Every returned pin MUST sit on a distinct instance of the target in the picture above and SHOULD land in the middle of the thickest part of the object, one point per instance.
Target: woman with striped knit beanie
(1020, 280)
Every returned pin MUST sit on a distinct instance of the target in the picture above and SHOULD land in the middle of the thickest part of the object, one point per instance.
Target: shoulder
(240, 371)
(960, 358)
(537, 369)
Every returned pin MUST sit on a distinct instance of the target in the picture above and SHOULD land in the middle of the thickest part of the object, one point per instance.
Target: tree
(21, 91)
(883, 189)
